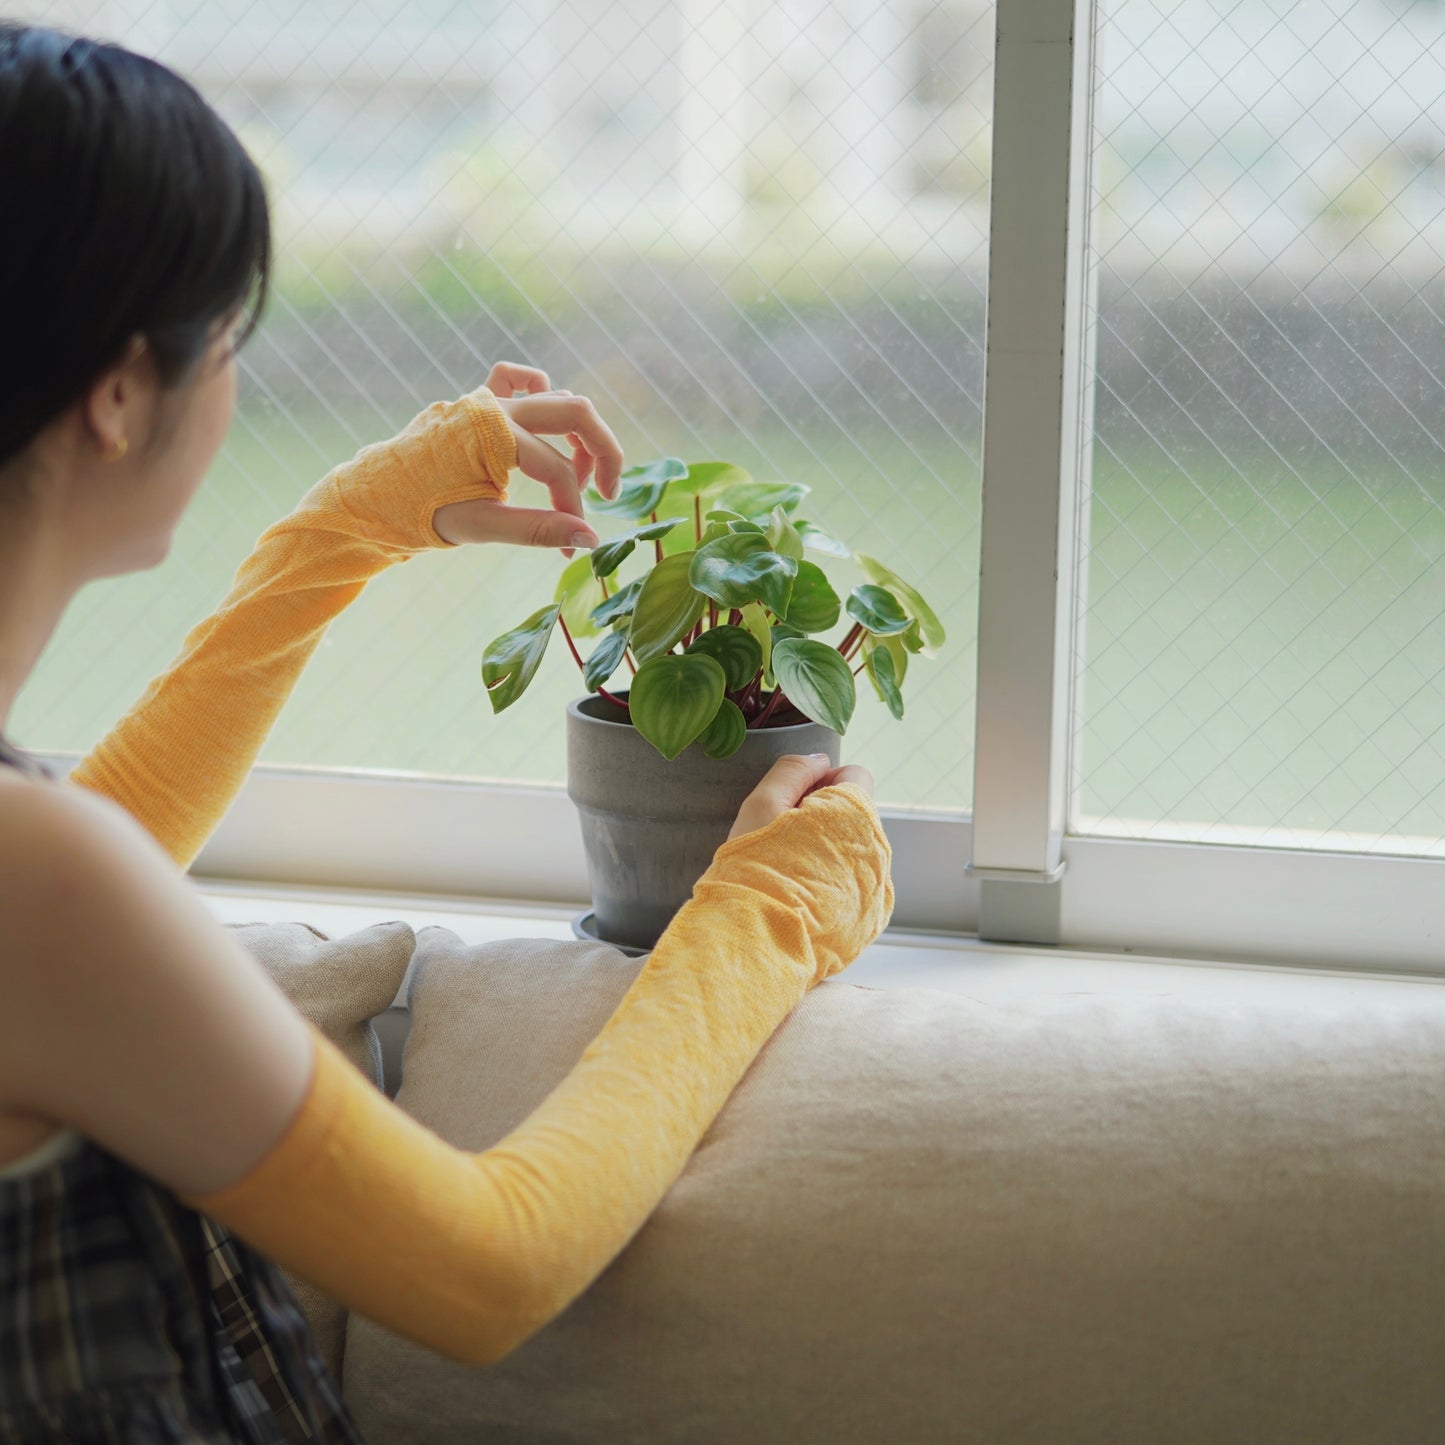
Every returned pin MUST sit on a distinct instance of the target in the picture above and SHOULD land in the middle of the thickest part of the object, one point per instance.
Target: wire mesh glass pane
(1262, 649)
(748, 231)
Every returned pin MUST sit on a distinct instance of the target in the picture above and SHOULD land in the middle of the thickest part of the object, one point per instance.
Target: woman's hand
(788, 782)
(817, 866)
(538, 412)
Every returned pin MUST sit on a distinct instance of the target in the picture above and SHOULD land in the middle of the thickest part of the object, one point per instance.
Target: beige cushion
(926, 1218)
(338, 984)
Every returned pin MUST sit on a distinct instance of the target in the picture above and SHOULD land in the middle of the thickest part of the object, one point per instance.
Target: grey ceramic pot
(651, 826)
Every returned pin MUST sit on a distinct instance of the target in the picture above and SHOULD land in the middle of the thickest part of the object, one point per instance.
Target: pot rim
(574, 709)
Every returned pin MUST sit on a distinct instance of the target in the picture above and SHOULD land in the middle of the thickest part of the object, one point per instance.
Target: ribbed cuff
(497, 447)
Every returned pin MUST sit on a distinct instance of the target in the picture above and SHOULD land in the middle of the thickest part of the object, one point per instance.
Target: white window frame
(1038, 883)
(1011, 872)
(510, 842)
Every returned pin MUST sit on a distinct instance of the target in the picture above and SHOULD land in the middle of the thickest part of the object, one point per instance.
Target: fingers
(535, 409)
(594, 445)
(784, 786)
(850, 773)
(507, 377)
(792, 778)
(520, 526)
(544, 463)
(582, 459)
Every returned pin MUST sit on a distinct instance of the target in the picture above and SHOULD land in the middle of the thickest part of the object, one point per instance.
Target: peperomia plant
(720, 631)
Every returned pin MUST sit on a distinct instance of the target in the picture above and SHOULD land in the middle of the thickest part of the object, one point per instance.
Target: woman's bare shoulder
(84, 886)
(131, 1015)
(80, 884)
(52, 837)
(58, 877)
(64, 873)
(41, 824)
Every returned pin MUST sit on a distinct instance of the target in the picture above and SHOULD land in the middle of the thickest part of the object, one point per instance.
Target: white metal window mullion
(1279, 904)
(1034, 464)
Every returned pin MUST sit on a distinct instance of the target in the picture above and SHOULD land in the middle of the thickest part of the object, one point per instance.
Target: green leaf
(511, 660)
(817, 680)
(612, 553)
(913, 638)
(820, 541)
(680, 539)
(579, 592)
(878, 610)
(642, 490)
(620, 604)
(667, 606)
(814, 606)
(734, 521)
(780, 632)
(756, 622)
(603, 662)
(705, 476)
(783, 536)
(726, 733)
(930, 629)
(714, 531)
(673, 699)
(894, 647)
(735, 648)
(757, 499)
(879, 664)
(742, 568)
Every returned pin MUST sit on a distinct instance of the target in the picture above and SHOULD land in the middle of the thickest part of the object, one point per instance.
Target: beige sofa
(930, 1217)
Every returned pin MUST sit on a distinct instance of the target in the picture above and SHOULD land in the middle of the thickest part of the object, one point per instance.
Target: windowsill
(955, 963)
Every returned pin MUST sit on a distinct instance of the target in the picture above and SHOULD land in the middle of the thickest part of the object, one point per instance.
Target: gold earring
(117, 451)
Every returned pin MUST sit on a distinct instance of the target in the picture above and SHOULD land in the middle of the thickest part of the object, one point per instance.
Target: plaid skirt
(128, 1319)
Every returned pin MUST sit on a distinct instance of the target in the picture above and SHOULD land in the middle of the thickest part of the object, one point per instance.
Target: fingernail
(824, 756)
(583, 539)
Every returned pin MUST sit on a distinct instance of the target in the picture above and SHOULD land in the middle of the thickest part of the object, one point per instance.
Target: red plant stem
(747, 695)
(601, 691)
(567, 633)
(697, 516)
(855, 633)
(771, 708)
(735, 617)
(657, 542)
(602, 583)
(860, 667)
(712, 614)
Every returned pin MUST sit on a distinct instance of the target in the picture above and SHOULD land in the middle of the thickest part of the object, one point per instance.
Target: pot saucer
(584, 925)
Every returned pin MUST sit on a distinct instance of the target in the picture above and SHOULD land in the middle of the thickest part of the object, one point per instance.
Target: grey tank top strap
(12, 757)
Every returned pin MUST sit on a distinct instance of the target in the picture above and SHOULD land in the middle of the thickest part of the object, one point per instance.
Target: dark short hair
(127, 207)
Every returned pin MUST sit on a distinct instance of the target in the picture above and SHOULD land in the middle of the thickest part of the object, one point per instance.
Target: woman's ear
(119, 407)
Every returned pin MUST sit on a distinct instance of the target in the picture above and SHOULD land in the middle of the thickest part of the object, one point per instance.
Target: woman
(170, 1127)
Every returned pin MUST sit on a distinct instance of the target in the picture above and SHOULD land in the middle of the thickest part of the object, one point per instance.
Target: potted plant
(725, 671)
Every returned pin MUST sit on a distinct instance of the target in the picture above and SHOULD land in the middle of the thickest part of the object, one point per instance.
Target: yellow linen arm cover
(180, 755)
(469, 1254)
